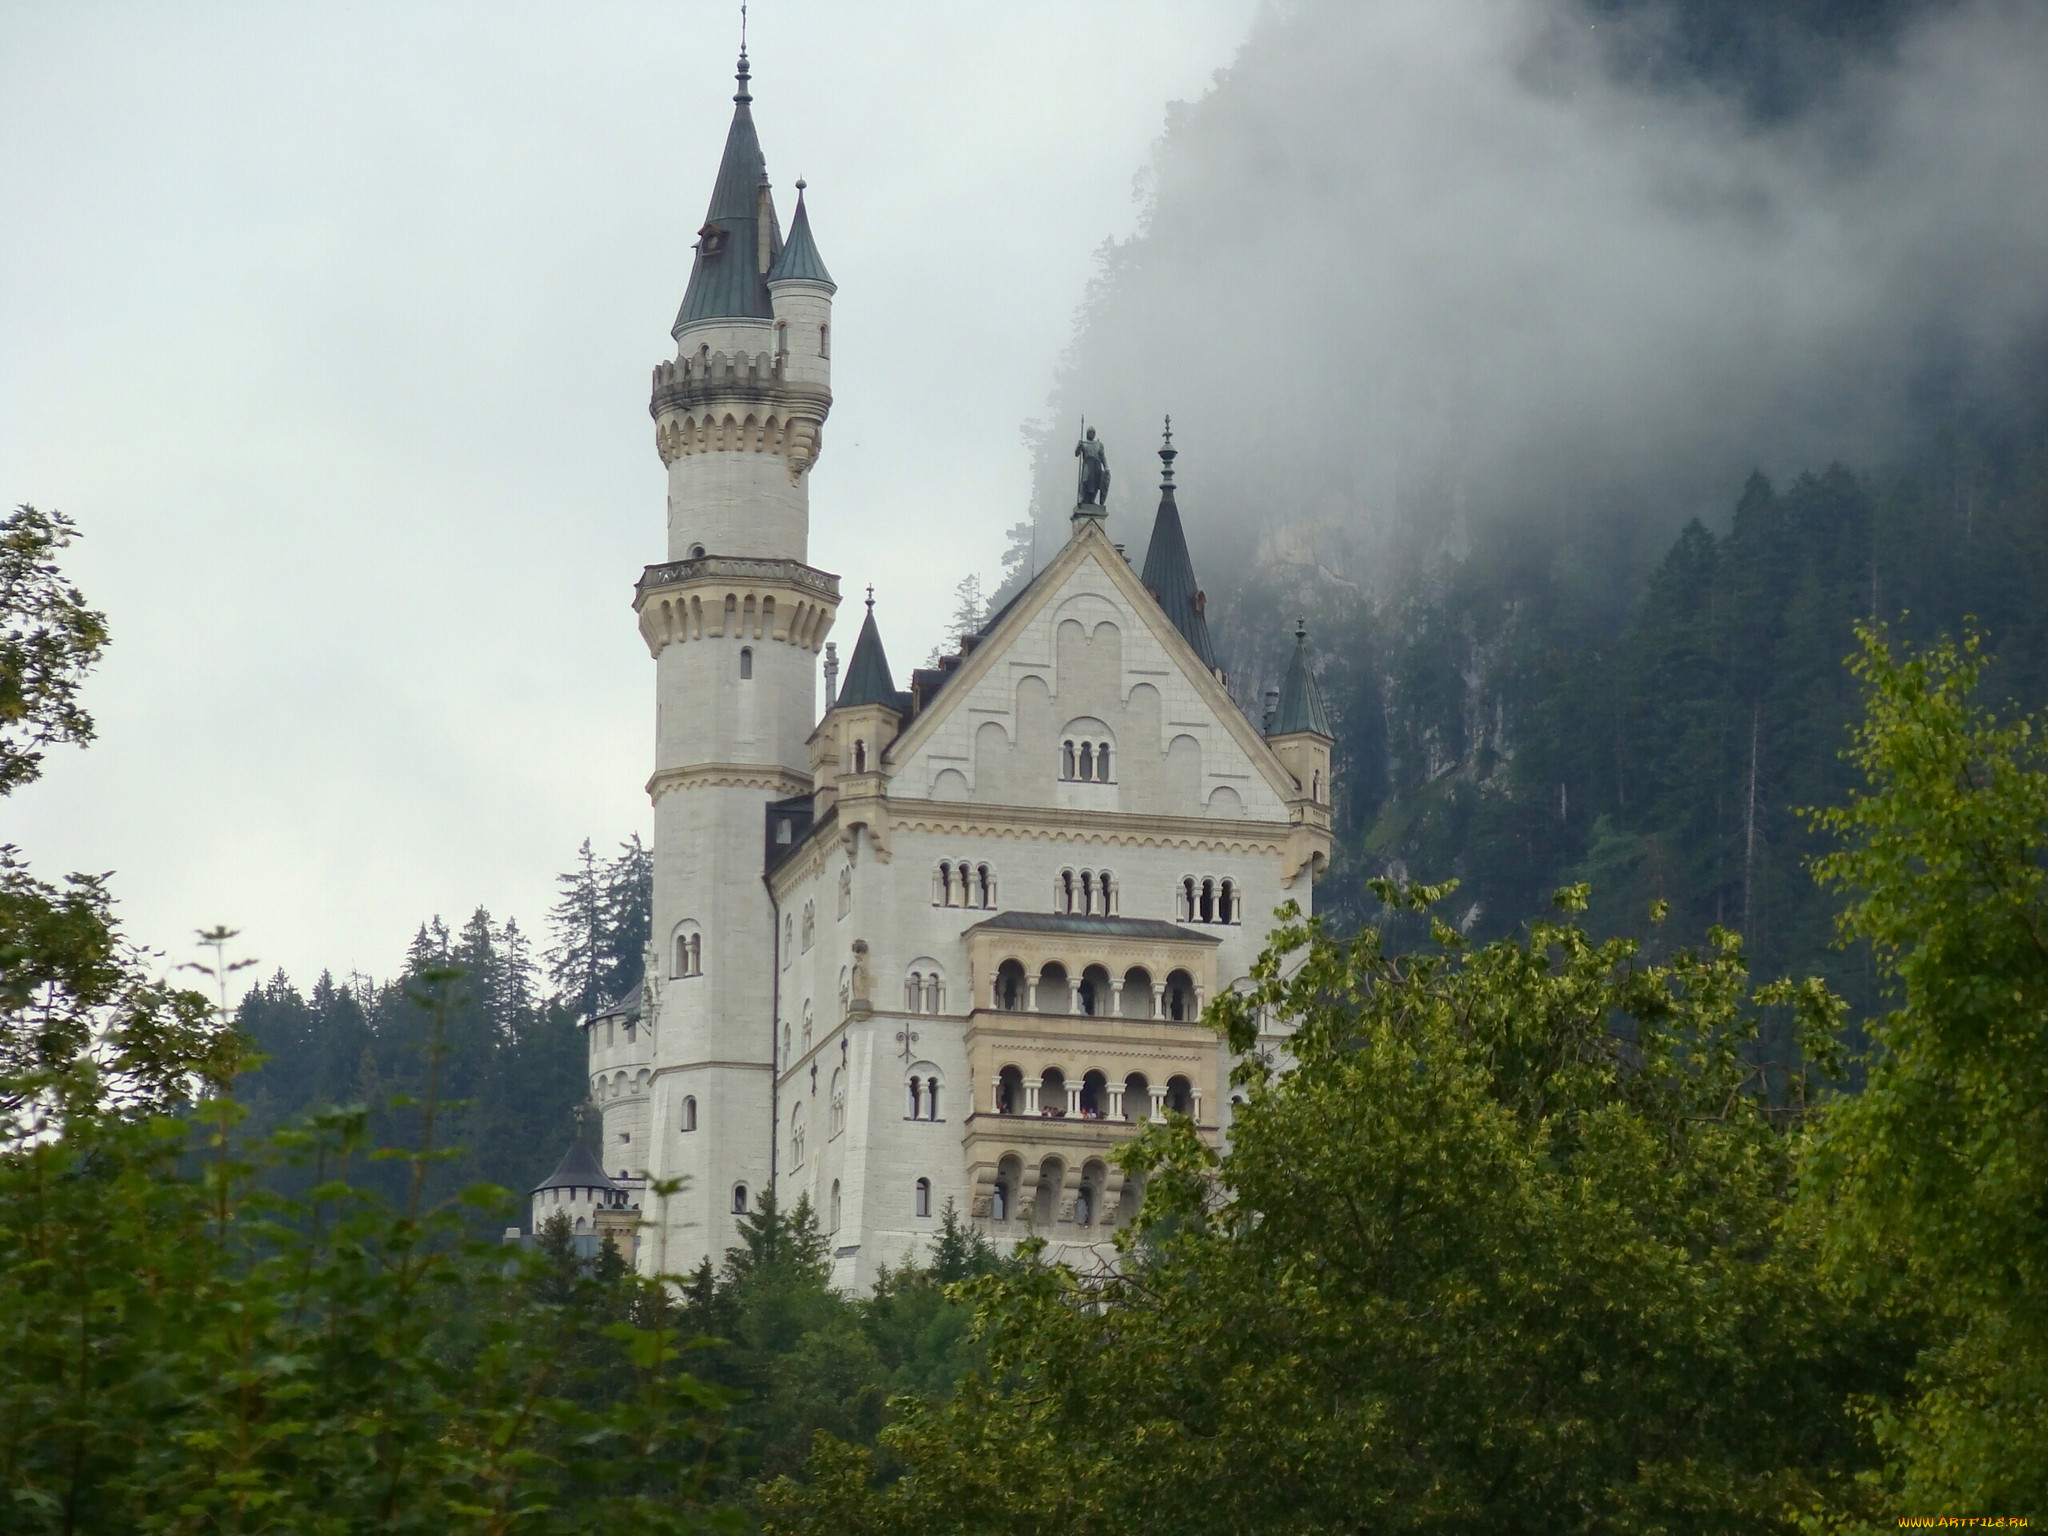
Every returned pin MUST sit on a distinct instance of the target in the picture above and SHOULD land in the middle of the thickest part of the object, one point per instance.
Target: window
(860, 756)
(689, 953)
(838, 1101)
(796, 1137)
(964, 885)
(1010, 986)
(1087, 892)
(835, 1207)
(824, 341)
(785, 1042)
(924, 989)
(810, 925)
(1180, 998)
(921, 1089)
(746, 663)
(1010, 1091)
(1085, 760)
(739, 1199)
(1206, 899)
(696, 551)
(781, 340)
(788, 939)
(845, 890)
(924, 1197)
(689, 1114)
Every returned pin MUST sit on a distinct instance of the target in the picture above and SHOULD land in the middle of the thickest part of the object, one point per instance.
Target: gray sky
(332, 329)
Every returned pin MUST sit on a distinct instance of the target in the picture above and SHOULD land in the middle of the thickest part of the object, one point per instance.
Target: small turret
(847, 748)
(1299, 727)
(1169, 573)
(800, 289)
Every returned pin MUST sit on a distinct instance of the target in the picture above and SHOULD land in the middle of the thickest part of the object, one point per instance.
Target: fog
(1414, 268)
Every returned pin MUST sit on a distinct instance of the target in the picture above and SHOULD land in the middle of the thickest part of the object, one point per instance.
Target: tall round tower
(734, 619)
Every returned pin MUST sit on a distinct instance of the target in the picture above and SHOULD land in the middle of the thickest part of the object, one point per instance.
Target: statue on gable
(1094, 459)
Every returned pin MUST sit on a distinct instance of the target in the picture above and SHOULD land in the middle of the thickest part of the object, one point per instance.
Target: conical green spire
(800, 258)
(1168, 570)
(726, 279)
(1301, 701)
(867, 674)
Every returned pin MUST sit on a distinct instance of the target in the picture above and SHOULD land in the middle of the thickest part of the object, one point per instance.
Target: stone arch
(1225, 801)
(951, 784)
(1182, 781)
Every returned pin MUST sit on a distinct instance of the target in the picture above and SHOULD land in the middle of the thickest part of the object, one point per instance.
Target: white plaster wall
(705, 712)
(804, 307)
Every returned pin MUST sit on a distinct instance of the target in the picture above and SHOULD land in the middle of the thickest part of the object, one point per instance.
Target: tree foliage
(1510, 1244)
(49, 639)
(1935, 1178)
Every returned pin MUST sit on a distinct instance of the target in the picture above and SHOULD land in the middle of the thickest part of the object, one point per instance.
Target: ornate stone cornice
(713, 595)
(778, 781)
(738, 404)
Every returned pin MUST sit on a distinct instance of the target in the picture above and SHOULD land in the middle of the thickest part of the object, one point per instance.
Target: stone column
(1073, 1102)
(995, 1094)
(1116, 1103)
(1195, 1100)
(1116, 997)
(1158, 999)
(1073, 994)
(1158, 1103)
(1031, 1095)
(1031, 993)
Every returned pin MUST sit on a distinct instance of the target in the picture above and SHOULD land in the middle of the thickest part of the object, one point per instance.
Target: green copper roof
(867, 674)
(1168, 571)
(800, 258)
(726, 280)
(1301, 701)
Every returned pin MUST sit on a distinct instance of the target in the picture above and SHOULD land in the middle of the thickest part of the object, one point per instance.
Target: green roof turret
(867, 673)
(800, 259)
(728, 279)
(1301, 701)
(1169, 573)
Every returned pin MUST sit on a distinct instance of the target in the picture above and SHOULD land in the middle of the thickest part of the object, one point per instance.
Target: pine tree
(627, 907)
(576, 958)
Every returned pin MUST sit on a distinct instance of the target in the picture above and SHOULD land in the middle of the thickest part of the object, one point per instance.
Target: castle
(949, 943)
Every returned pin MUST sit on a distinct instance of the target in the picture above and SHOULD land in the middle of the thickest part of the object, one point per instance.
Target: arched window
(1064, 892)
(1186, 902)
(860, 756)
(1052, 1094)
(1180, 997)
(987, 881)
(1102, 762)
(739, 1199)
(924, 1197)
(1054, 995)
(689, 1113)
(1226, 911)
(788, 939)
(931, 1097)
(1094, 1096)
(1010, 986)
(835, 1207)
(1180, 1096)
(807, 1024)
(916, 1098)
(796, 1137)
(846, 890)
(1208, 909)
(1087, 759)
(1137, 1098)
(1136, 1001)
(999, 1202)
(838, 1102)
(1094, 997)
(1067, 760)
(942, 885)
(785, 1042)
(689, 952)
(746, 663)
(781, 340)
(824, 341)
(810, 925)
(1010, 1091)
(1315, 786)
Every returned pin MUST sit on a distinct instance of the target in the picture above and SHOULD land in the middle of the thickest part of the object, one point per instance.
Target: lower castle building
(950, 943)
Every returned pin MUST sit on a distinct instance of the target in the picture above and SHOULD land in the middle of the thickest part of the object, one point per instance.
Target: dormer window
(711, 240)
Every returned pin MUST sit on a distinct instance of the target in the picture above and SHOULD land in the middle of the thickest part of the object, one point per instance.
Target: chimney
(832, 674)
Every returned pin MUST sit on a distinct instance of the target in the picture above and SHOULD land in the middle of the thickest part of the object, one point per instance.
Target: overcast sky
(332, 329)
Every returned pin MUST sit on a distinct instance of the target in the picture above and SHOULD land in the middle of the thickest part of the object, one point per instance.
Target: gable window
(1085, 758)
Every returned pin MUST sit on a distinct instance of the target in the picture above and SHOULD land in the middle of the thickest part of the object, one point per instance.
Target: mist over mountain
(1422, 273)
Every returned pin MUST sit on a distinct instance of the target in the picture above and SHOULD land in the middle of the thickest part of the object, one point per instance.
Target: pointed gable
(1169, 572)
(726, 278)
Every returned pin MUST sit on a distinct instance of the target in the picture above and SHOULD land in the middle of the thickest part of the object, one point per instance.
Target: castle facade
(950, 942)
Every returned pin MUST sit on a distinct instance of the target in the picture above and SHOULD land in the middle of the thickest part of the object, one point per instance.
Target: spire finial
(871, 597)
(743, 96)
(1301, 631)
(1167, 454)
